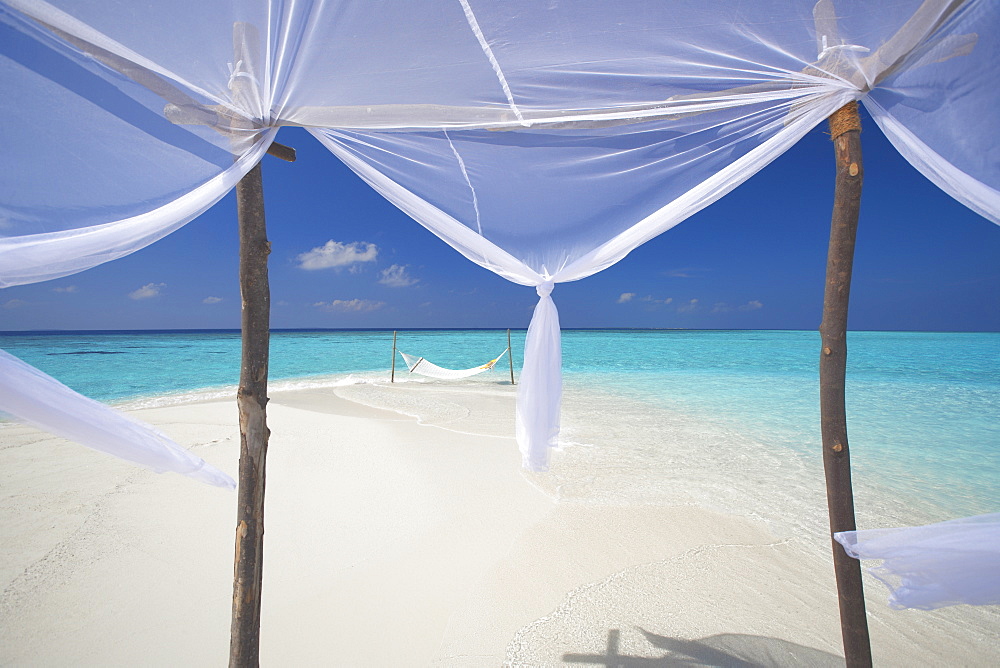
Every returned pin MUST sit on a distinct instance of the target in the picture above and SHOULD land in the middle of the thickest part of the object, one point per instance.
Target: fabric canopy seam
(485, 45)
(468, 181)
(459, 237)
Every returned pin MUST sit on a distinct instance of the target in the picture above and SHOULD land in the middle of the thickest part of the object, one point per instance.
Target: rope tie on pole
(844, 120)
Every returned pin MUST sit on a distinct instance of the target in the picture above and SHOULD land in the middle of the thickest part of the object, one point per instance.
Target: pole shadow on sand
(731, 650)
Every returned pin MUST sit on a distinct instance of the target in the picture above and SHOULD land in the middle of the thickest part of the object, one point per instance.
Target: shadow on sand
(731, 650)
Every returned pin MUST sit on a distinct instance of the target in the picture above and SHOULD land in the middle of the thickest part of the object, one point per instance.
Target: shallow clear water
(117, 366)
(923, 408)
(662, 409)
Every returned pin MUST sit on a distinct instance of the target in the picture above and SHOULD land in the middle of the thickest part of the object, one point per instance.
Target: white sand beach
(401, 531)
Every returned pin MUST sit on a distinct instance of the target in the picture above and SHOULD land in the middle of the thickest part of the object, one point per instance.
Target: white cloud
(625, 297)
(350, 305)
(335, 254)
(723, 307)
(15, 303)
(686, 272)
(650, 299)
(147, 291)
(68, 288)
(211, 300)
(396, 276)
(688, 307)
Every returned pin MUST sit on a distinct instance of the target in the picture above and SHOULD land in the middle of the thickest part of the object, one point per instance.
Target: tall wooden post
(845, 131)
(392, 377)
(244, 641)
(252, 399)
(510, 358)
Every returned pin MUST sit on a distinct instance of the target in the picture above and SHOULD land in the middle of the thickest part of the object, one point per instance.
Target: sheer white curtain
(544, 142)
(936, 565)
(44, 402)
(623, 121)
(31, 258)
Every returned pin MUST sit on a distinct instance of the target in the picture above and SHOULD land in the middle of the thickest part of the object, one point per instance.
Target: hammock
(425, 368)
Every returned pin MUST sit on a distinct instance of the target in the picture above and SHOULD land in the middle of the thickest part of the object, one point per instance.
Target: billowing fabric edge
(974, 194)
(29, 258)
(934, 565)
(33, 397)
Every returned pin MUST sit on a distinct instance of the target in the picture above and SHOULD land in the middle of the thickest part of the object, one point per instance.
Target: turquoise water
(923, 408)
(118, 366)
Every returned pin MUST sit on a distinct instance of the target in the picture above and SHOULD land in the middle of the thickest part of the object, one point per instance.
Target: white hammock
(426, 368)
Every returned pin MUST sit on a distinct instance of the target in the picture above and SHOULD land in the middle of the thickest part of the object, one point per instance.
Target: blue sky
(343, 257)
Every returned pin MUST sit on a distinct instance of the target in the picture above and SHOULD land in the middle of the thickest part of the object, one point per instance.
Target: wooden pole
(252, 399)
(244, 642)
(392, 378)
(510, 358)
(845, 131)
(282, 152)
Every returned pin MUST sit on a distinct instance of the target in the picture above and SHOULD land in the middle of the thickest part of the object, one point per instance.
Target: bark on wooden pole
(282, 152)
(252, 399)
(510, 358)
(244, 642)
(392, 377)
(845, 131)
(244, 648)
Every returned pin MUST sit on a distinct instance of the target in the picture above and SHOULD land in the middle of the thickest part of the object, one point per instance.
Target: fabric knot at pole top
(544, 289)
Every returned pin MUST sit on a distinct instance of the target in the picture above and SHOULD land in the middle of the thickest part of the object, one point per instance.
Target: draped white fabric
(536, 419)
(41, 257)
(936, 565)
(41, 400)
(542, 141)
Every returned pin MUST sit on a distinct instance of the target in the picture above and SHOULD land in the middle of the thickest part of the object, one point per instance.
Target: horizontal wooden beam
(422, 117)
(286, 153)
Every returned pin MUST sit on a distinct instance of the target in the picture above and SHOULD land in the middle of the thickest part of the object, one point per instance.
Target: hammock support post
(510, 358)
(845, 131)
(392, 374)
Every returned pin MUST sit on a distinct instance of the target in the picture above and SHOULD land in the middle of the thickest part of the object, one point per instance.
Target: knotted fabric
(539, 393)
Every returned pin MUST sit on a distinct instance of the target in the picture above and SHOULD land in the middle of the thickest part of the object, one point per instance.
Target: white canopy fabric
(935, 565)
(39, 399)
(542, 141)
